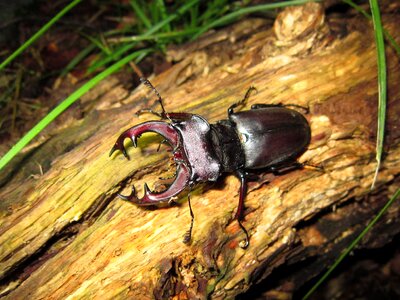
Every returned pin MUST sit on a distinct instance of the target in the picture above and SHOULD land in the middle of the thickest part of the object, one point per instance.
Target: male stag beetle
(267, 137)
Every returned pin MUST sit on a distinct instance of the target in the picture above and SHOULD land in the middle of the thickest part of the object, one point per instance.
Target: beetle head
(189, 137)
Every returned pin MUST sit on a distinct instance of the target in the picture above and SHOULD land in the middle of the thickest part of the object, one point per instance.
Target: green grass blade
(353, 244)
(39, 33)
(163, 13)
(382, 83)
(115, 54)
(247, 10)
(382, 80)
(140, 14)
(157, 36)
(152, 30)
(77, 59)
(98, 43)
(194, 16)
(64, 105)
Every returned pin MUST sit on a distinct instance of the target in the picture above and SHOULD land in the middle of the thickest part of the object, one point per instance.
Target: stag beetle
(267, 137)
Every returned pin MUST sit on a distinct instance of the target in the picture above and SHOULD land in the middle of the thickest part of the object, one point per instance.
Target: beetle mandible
(267, 137)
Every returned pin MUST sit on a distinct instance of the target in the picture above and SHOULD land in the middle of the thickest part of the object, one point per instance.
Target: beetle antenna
(147, 83)
(188, 235)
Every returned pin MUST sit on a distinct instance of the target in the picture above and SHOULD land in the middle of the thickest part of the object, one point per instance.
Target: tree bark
(65, 233)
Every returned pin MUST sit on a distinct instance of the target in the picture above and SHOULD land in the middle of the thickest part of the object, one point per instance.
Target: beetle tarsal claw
(245, 242)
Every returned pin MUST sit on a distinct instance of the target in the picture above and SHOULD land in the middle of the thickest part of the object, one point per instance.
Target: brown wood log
(65, 234)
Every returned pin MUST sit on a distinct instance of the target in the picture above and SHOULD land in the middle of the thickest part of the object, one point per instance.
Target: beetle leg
(188, 235)
(264, 105)
(282, 169)
(162, 142)
(148, 111)
(240, 210)
(242, 101)
(179, 116)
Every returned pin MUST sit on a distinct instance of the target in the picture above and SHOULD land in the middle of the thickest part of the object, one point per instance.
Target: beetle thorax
(195, 134)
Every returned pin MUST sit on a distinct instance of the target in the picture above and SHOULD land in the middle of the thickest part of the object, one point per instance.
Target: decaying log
(65, 234)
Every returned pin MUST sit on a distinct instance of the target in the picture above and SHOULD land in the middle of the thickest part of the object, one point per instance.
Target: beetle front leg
(240, 210)
(174, 117)
(149, 111)
(188, 235)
